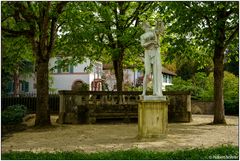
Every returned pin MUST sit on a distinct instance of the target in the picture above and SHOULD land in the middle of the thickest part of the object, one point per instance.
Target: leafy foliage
(13, 114)
(81, 87)
(201, 87)
(109, 29)
(133, 154)
(16, 58)
(38, 23)
(209, 28)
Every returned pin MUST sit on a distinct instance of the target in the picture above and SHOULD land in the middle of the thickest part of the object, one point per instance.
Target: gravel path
(105, 137)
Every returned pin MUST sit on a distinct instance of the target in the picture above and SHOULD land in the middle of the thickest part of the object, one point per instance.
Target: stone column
(152, 118)
(61, 109)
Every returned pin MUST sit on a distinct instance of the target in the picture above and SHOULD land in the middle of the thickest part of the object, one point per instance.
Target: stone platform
(152, 98)
(152, 118)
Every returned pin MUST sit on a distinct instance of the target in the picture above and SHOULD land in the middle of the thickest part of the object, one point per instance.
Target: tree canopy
(109, 29)
(209, 27)
(38, 23)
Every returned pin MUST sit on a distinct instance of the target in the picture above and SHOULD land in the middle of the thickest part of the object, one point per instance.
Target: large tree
(109, 29)
(210, 26)
(38, 22)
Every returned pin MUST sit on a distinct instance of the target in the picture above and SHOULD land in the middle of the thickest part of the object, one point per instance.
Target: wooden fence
(29, 100)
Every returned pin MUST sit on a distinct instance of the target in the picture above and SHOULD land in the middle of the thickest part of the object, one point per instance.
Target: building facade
(133, 77)
(61, 78)
(99, 77)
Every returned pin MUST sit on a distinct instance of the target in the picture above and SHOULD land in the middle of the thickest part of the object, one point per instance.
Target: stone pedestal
(152, 118)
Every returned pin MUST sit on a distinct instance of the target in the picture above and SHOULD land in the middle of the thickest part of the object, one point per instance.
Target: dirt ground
(106, 137)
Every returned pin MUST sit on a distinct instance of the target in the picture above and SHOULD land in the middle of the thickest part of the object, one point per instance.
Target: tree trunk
(42, 111)
(16, 83)
(118, 68)
(219, 116)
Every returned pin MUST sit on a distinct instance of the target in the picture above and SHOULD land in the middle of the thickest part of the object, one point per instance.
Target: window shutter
(58, 70)
(10, 86)
(23, 85)
(26, 86)
(71, 69)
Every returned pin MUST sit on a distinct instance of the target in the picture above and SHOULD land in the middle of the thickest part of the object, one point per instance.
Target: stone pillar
(61, 109)
(152, 118)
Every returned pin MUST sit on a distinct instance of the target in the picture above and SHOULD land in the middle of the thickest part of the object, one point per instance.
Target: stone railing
(89, 106)
(179, 108)
(202, 107)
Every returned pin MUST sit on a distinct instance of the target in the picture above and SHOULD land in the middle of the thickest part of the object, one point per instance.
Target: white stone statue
(152, 60)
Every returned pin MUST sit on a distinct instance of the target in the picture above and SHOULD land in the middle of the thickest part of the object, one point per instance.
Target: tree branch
(209, 25)
(141, 8)
(60, 6)
(234, 33)
(54, 28)
(188, 6)
(27, 15)
(18, 33)
(58, 26)
(5, 18)
(231, 28)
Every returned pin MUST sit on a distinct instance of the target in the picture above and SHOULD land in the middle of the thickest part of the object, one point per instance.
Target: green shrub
(202, 86)
(231, 107)
(13, 114)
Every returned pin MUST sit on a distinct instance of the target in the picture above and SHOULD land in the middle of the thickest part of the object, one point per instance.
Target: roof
(164, 70)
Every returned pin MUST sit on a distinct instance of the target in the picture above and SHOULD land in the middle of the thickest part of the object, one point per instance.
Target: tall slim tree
(38, 22)
(17, 60)
(211, 26)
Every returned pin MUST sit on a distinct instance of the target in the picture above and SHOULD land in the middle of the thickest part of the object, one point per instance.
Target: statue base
(152, 98)
(152, 118)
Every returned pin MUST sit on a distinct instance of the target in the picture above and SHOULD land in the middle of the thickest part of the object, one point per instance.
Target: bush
(202, 88)
(231, 107)
(13, 114)
(182, 85)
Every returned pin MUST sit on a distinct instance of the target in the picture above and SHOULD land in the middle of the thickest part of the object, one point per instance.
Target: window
(10, 86)
(71, 69)
(58, 70)
(170, 79)
(164, 78)
(63, 69)
(25, 86)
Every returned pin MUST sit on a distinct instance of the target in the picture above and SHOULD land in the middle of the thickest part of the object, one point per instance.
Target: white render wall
(129, 76)
(76, 69)
(65, 81)
(31, 79)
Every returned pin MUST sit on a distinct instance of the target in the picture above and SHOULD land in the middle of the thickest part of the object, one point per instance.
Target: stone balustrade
(89, 106)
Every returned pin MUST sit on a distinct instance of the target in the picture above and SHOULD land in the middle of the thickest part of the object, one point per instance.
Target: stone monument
(152, 109)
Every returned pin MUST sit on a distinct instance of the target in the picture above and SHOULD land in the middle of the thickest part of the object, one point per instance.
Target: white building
(62, 78)
(132, 76)
(65, 78)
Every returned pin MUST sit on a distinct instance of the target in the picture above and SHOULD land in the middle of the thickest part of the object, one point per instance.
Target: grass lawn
(218, 153)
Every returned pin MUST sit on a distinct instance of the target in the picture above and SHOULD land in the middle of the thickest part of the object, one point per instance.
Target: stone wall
(89, 106)
(202, 107)
(179, 108)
